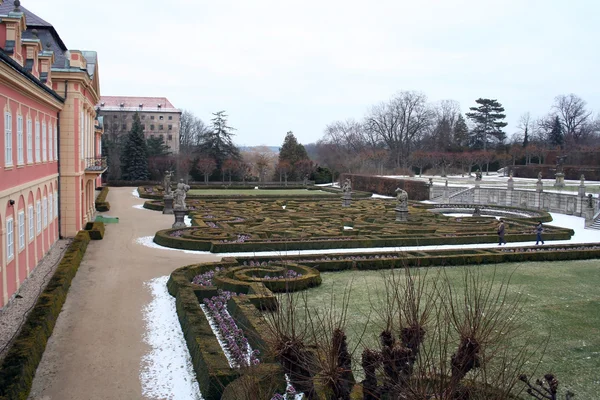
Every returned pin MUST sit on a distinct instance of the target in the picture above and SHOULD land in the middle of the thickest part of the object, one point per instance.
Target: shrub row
(18, 368)
(101, 204)
(417, 190)
(425, 258)
(95, 230)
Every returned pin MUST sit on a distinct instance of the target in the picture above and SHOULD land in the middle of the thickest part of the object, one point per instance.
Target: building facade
(50, 160)
(158, 116)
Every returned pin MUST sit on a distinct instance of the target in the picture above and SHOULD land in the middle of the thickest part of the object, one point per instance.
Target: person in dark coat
(539, 228)
(501, 233)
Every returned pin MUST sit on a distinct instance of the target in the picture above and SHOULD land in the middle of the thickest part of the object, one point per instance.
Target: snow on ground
(380, 196)
(166, 371)
(135, 193)
(140, 207)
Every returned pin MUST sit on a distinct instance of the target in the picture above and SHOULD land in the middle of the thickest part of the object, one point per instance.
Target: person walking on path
(539, 228)
(501, 233)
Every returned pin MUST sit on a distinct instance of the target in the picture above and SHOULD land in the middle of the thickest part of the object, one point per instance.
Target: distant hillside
(274, 149)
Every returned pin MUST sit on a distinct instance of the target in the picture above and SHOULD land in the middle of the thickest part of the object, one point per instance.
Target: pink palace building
(50, 160)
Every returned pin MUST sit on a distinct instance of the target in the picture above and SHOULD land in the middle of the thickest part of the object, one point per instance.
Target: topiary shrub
(95, 230)
(101, 204)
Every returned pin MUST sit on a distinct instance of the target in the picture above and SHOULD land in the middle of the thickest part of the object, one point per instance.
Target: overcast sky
(276, 66)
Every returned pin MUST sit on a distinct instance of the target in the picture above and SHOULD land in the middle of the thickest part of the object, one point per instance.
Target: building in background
(50, 160)
(158, 116)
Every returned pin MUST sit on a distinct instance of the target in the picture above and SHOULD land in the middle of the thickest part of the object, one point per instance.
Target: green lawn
(258, 192)
(561, 300)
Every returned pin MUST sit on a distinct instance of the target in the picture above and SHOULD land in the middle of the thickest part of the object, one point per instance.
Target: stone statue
(430, 181)
(560, 160)
(167, 183)
(478, 175)
(446, 183)
(590, 201)
(402, 197)
(540, 176)
(180, 194)
(347, 187)
(582, 180)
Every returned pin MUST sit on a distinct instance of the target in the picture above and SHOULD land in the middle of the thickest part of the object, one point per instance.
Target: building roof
(130, 103)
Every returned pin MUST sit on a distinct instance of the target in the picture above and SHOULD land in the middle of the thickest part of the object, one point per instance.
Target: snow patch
(140, 207)
(166, 371)
(380, 196)
(135, 193)
(347, 228)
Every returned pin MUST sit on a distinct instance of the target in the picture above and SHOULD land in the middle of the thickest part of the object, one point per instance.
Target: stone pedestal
(539, 186)
(581, 191)
(401, 214)
(179, 217)
(477, 194)
(560, 180)
(510, 184)
(346, 199)
(168, 208)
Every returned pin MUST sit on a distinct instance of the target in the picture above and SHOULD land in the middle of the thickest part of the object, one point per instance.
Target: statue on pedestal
(478, 175)
(167, 183)
(402, 197)
(180, 194)
(347, 187)
(540, 176)
(582, 180)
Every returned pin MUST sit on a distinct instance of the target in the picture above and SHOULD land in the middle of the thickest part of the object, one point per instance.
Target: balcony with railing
(95, 165)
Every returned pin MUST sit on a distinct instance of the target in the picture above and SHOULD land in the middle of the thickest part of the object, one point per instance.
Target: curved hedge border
(18, 368)
(210, 364)
(101, 204)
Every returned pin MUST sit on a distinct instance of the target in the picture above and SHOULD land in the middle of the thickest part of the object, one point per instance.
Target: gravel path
(14, 314)
(97, 347)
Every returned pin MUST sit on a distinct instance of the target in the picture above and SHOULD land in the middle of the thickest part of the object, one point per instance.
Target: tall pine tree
(556, 134)
(488, 118)
(217, 143)
(291, 152)
(134, 158)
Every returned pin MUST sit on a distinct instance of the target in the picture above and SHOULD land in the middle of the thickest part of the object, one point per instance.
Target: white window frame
(50, 206)
(37, 142)
(29, 141)
(81, 134)
(21, 217)
(45, 212)
(44, 143)
(50, 142)
(20, 158)
(10, 239)
(55, 142)
(38, 216)
(31, 222)
(8, 139)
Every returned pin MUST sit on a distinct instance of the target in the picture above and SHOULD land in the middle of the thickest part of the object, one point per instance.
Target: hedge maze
(231, 225)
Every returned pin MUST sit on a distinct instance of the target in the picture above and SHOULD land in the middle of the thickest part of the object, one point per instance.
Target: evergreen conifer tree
(291, 152)
(134, 158)
(556, 134)
(488, 118)
(216, 143)
(157, 147)
(460, 133)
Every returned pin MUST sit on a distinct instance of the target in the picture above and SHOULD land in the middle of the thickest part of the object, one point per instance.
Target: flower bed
(230, 336)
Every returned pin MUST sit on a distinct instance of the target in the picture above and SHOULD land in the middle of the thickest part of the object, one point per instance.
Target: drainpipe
(58, 164)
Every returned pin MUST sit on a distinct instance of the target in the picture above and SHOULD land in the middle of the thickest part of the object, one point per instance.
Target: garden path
(97, 343)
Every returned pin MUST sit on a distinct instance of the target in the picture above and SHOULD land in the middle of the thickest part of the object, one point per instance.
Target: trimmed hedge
(426, 258)
(101, 204)
(417, 190)
(210, 364)
(95, 230)
(18, 368)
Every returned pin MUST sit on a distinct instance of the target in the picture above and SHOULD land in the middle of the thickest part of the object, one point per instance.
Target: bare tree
(400, 122)
(573, 115)
(191, 129)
